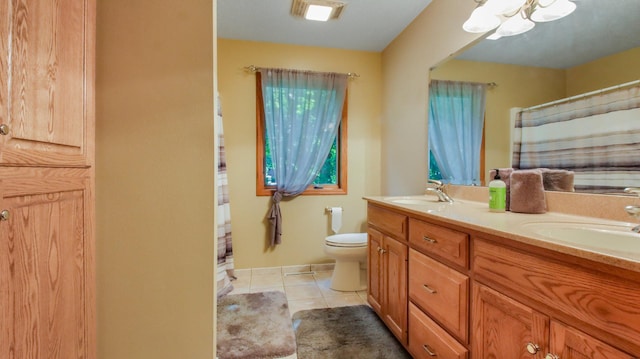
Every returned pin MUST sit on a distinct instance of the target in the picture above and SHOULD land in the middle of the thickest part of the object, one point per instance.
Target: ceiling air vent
(300, 7)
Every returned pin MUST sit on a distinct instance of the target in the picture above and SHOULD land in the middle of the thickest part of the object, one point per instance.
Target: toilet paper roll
(336, 219)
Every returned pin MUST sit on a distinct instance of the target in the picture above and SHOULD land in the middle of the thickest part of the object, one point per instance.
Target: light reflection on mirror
(595, 47)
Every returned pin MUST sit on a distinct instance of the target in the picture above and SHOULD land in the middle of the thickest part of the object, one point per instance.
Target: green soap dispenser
(497, 194)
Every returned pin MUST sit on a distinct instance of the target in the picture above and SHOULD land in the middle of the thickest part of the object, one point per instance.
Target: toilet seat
(347, 240)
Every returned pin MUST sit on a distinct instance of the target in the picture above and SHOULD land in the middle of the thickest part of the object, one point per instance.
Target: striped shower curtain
(224, 272)
(596, 136)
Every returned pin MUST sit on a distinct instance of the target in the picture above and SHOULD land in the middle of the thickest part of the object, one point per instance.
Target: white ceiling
(368, 25)
(597, 28)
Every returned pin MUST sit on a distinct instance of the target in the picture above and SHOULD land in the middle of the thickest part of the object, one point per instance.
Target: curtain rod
(252, 68)
(489, 84)
(576, 97)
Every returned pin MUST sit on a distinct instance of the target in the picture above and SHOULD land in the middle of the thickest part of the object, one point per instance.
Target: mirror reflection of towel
(557, 180)
(527, 192)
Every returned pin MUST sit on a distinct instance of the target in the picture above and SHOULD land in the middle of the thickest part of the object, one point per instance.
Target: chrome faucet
(439, 191)
(633, 210)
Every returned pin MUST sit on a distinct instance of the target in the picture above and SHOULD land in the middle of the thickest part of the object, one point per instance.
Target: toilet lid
(347, 240)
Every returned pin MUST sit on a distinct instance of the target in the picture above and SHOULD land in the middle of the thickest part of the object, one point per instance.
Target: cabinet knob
(383, 251)
(4, 215)
(551, 356)
(532, 348)
(4, 129)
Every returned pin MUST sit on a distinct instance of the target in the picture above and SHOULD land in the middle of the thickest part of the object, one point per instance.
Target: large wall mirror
(595, 47)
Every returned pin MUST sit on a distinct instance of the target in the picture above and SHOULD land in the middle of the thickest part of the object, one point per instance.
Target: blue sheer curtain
(456, 119)
(302, 112)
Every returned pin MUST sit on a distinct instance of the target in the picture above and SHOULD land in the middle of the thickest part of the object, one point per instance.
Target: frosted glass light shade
(503, 7)
(545, 3)
(481, 20)
(557, 10)
(514, 26)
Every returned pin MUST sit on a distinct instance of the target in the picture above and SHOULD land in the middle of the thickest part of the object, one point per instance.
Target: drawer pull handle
(429, 350)
(551, 356)
(430, 240)
(532, 348)
(429, 289)
(4, 215)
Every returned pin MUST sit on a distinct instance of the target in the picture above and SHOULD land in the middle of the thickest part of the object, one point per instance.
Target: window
(456, 132)
(332, 178)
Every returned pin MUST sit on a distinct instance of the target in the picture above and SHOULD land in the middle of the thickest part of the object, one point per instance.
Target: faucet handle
(632, 190)
(439, 184)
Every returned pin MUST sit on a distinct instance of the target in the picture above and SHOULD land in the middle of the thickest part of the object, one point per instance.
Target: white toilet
(349, 250)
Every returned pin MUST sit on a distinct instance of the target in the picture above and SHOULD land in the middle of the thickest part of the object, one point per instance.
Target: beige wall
(155, 227)
(518, 86)
(608, 71)
(305, 221)
(434, 35)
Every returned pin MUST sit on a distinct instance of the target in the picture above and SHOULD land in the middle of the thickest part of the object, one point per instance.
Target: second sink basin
(618, 238)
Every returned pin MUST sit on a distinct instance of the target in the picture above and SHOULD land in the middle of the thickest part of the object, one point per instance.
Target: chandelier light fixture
(513, 17)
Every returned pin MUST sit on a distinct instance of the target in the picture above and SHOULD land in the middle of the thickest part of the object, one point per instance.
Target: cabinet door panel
(569, 343)
(374, 266)
(502, 327)
(45, 105)
(395, 287)
(44, 272)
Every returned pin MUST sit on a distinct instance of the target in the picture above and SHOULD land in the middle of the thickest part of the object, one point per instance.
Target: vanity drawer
(388, 221)
(602, 301)
(426, 338)
(443, 242)
(441, 291)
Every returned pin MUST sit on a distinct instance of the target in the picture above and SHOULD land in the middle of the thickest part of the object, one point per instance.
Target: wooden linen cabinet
(47, 175)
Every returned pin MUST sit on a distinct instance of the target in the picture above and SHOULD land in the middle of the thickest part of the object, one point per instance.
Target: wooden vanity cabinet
(505, 328)
(387, 267)
(603, 304)
(476, 295)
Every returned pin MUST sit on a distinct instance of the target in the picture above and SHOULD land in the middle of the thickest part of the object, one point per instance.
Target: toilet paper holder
(330, 209)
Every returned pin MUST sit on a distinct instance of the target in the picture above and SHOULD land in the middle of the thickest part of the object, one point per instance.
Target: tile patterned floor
(306, 287)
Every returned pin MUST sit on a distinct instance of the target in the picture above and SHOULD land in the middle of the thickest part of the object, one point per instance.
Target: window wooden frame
(263, 190)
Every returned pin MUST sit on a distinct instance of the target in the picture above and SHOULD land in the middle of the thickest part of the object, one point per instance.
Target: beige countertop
(622, 251)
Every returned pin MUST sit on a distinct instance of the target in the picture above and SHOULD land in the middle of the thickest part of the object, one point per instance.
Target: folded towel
(527, 192)
(505, 174)
(557, 180)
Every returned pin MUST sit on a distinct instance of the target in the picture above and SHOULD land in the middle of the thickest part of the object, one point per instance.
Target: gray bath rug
(344, 333)
(254, 326)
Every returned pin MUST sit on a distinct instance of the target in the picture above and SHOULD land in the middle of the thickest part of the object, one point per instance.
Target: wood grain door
(46, 269)
(46, 58)
(569, 343)
(374, 266)
(504, 328)
(395, 258)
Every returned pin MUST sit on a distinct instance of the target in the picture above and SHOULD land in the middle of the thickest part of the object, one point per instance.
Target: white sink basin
(618, 238)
